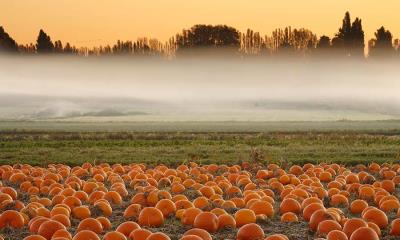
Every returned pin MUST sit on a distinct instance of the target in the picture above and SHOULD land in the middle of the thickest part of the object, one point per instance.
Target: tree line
(349, 41)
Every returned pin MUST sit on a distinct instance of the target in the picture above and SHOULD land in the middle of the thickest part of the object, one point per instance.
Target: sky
(99, 22)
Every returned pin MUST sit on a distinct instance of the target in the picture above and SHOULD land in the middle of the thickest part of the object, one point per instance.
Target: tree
(290, 41)
(350, 37)
(382, 44)
(324, 42)
(68, 49)
(58, 47)
(357, 34)
(324, 47)
(252, 43)
(343, 37)
(44, 43)
(208, 37)
(7, 44)
(396, 45)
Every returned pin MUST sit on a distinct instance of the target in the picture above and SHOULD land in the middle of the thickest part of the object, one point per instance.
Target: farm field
(63, 180)
(200, 201)
(108, 125)
(42, 147)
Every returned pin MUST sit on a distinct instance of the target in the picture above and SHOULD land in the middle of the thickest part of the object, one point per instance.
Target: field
(116, 181)
(41, 143)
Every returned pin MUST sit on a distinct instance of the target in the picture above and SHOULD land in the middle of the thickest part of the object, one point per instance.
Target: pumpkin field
(332, 185)
(192, 201)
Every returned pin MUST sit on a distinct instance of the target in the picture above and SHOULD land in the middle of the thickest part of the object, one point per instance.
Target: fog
(143, 89)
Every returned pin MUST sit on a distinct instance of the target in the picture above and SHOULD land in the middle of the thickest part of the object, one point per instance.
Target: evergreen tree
(350, 37)
(343, 37)
(68, 49)
(357, 34)
(44, 43)
(7, 44)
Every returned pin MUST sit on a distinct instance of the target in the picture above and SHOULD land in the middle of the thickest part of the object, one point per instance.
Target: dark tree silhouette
(222, 39)
(143, 47)
(208, 37)
(27, 48)
(381, 45)
(323, 47)
(7, 44)
(44, 43)
(287, 42)
(58, 47)
(396, 45)
(324, 42)
(350, 37)
(252, 43)
(68, 49)
(342, 39)
(358, 43)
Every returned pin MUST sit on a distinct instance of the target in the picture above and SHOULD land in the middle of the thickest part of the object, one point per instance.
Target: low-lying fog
(123, 89)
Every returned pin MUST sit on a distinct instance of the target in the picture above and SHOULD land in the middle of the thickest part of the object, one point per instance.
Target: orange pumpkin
(126, 228)
(48, 228)
(244, 216)
(364, 233)
(86, 235)
(250, 231)
(151, 216)
(12, 219)
(207, 221)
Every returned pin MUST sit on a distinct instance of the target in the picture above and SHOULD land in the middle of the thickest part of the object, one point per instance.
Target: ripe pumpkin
(61, 218)
(90, 224)
(139, 234)
(244, 216)
(336, 235)
(395, 227)
(262, 207)
(376, 216)
(353, 224)
(62, 233)
(250, 231)
(81, 212)
(105, 222)
(198, 232)
(158, 236)
(226, 220)
(132, 212)
(364, 233)
(207, 221)
(151, 216)
(327, 226)
(290, 205)
(114, 236)
(12, 219)
(357, 206)
(166, 206)
(319, 216)
(86, 235)
(289, 217)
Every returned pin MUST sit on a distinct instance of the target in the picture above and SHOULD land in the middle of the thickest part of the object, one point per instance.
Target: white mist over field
(147, 89)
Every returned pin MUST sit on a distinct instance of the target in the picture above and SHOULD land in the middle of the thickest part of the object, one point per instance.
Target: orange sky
(99, 22)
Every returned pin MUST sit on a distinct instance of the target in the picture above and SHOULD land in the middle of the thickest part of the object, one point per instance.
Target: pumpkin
(207, 221)
(151, 216)
(250, 231)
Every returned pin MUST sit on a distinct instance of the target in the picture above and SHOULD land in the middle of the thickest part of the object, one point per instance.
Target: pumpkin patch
(248, 201)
